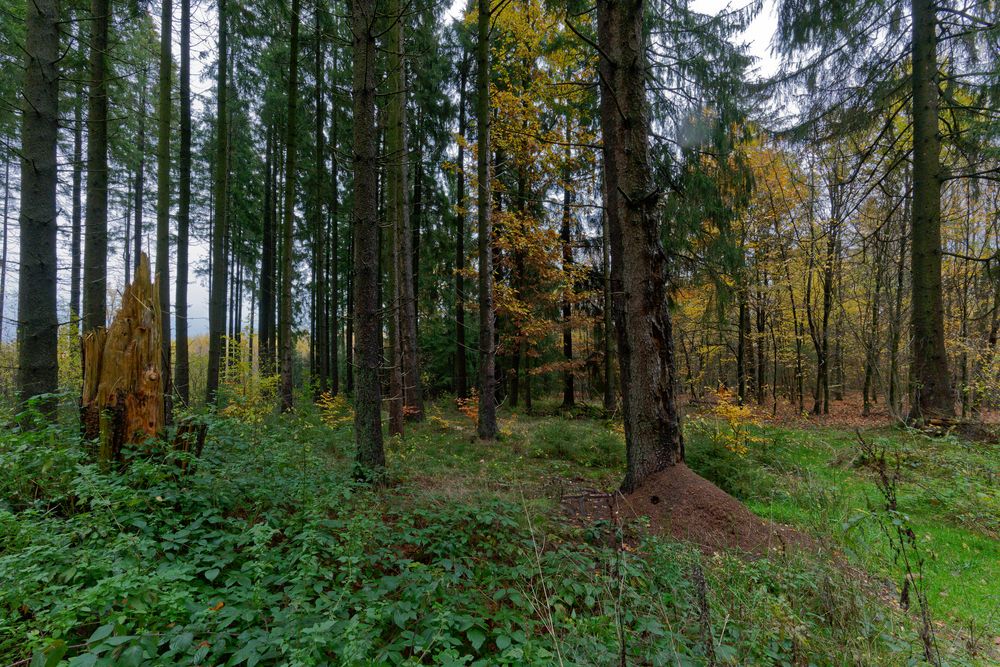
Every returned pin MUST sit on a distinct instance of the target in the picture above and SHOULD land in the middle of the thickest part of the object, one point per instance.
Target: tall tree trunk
(461, 207)
(368, 353)
(895, 396)
(487, 423)
(831, 245)
(76, 231)
(395, 193)
(37, 327)
(653, 438)
(609, 374)
(266, 326)
(399, 208)
(932, 392)
(569, 394)
(871, 348)
(140, 176)
(416, 218)
(761, 321)
(163, 112)
(796, 324)
(182, 368)
(743, 332)
(320, 241)
(128, 227)
(291, 142)
(349, 343)
(220, 270)
(3, 252)
(334, 302)
(95, 266)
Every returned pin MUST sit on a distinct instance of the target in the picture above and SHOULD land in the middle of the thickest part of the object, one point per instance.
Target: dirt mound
(682, 504)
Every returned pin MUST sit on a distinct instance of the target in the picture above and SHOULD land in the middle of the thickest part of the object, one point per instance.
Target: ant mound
(686, 506)
(683, 505)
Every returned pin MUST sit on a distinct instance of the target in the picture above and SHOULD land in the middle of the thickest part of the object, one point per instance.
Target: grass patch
(812, 479)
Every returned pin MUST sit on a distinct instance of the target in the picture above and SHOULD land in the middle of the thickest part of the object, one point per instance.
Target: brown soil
(680, 503)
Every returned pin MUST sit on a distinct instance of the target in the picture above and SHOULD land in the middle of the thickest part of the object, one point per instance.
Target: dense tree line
(635, 230)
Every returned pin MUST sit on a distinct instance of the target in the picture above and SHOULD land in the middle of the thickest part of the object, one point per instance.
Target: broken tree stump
(122, 400)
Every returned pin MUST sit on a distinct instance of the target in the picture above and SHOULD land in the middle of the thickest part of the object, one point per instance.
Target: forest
(500, 332)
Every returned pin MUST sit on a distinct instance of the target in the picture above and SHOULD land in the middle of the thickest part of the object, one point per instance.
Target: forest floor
(476, 553)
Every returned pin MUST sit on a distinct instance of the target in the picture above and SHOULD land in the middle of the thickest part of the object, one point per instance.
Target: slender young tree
(334, 249)
(487, 425)
(164, 108)
(368, 353)
(220, 256)
(320, 297)
(76, 224)
(569, 394)
(461, 207)
(265, 330)
(140, 172)
(638, 263)
(285, 320)
(3, 251)
(182, 367)
(397, 187)
(37, 357)
(95, 261)
(608, 396)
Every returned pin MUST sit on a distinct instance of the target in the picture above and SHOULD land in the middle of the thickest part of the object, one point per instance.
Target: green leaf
(212, 573)
(51, 655)
(131, 657)
(503, 641)
(84, 660)
(182, 642)
(476, 637)
(101, 632)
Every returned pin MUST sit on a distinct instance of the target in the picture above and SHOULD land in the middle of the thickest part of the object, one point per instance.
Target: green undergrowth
(267, 552)
(948, 492)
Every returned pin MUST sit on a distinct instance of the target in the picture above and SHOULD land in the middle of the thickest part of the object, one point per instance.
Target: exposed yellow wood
(122, 400)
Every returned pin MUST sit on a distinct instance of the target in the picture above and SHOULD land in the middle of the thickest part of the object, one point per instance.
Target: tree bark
(743, 331)
(163, 112)
(609, 374)
(123, 380)
(370, 455)
(569, 392)
(872, 346)
(3, 252)
(220, 269)
(76, 225)
(487, 421)
(461, 206)
(319, 225)
(895, 393)
(95, 267)
(653, 438)
(37, 328)
(140, 175)
(182, 367)
(291, 142)
(399, 206)
(932, 393)
(265, 331)
(334, 303)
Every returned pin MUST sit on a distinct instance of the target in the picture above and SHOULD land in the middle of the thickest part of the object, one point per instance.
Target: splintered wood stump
(122, 402)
